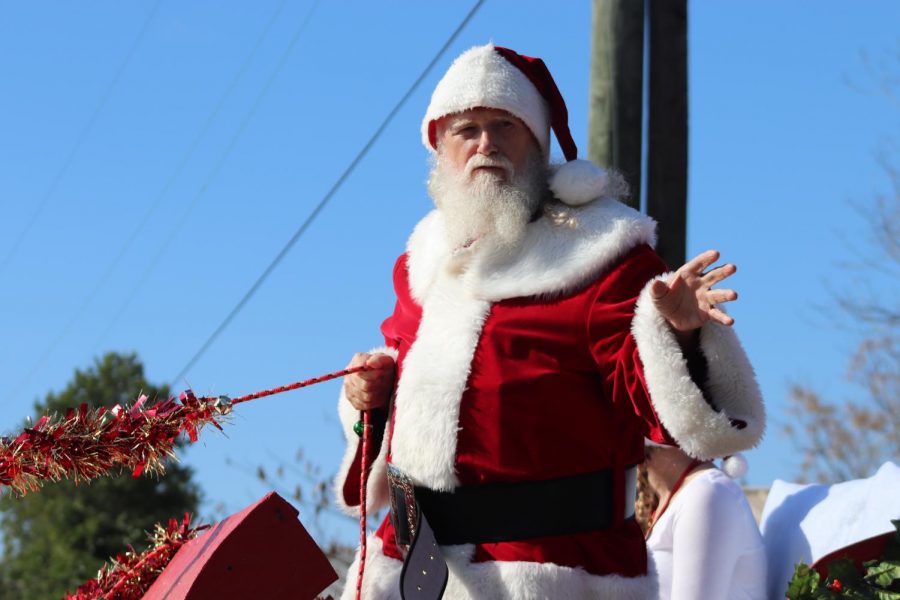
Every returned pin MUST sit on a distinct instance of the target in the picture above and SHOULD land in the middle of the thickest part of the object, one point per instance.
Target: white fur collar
(553, 259)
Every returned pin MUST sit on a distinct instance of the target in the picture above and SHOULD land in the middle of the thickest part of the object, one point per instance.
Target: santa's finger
(676, 283)
(375, 402)
(699, 263)
(358, 360)
(358, 382)
(720, 317)
(720, 296)
(369, 386)
(367, 403)
(375, 374)
(380, 361)
(355, 398)
(716, 275)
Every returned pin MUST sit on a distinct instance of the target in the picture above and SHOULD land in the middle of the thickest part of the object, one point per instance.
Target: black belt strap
(424, 575)
(501, 512)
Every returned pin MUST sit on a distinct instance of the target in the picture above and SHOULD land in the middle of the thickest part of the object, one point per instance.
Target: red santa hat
(494, 77)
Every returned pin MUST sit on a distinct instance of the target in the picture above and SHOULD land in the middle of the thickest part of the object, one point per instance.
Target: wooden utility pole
(616, 101)
(616, 90)
(667, 128)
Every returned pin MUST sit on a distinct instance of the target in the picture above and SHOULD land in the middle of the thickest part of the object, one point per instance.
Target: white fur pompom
(735, 466)
(578, 182)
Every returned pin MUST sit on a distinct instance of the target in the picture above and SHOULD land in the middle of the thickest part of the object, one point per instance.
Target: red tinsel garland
(131, 574)
(88, 442)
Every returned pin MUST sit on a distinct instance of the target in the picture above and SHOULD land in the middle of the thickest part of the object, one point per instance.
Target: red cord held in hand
(363, 481)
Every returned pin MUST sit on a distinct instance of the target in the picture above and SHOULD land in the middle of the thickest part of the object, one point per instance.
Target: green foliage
(57, 538)
(804, 583)
(879, 581)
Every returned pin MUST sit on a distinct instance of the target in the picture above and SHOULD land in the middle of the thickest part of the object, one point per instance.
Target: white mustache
(497, 161)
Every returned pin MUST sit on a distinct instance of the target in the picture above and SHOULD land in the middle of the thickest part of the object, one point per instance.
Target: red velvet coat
(545, 365)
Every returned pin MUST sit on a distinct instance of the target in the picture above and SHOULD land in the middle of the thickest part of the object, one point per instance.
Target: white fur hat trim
(480, 77)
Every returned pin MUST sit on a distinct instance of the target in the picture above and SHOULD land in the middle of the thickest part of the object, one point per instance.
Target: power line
(136, 233)
(79, 141)
(334, 188)
(213, 173)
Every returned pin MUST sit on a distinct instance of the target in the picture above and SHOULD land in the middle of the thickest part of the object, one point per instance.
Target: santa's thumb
(658, 289)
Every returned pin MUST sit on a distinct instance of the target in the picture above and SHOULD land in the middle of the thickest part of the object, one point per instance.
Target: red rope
(300, 384)
(363, 477)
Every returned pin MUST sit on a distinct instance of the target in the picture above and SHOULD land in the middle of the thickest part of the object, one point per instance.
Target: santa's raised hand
(687, 299)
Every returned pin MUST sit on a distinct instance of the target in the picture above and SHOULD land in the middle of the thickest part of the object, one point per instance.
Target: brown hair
(647, 499)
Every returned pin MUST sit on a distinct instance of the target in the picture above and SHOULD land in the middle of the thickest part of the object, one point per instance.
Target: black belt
(494, 512)
(502, 512)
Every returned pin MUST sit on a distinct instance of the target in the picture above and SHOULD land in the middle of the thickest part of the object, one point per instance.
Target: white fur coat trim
(500, 580)
(731, 384)
(376, 487)
(554, 258)
(435, 372)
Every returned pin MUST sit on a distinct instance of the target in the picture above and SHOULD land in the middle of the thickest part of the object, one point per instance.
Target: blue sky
(172, 165)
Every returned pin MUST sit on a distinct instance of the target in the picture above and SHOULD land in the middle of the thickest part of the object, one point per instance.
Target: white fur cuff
(700, 430)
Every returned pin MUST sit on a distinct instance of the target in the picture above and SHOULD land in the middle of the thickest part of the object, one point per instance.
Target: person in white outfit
(703, 537)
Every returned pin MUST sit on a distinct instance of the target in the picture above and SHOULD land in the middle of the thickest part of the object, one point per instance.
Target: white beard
(484, 214)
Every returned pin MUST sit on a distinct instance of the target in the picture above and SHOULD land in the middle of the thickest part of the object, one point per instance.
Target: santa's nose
(486, 144)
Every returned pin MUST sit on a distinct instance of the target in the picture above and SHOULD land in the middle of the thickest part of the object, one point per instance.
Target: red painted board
(260, 552)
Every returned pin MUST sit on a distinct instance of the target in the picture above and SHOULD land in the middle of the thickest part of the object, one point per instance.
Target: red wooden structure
(260, 552)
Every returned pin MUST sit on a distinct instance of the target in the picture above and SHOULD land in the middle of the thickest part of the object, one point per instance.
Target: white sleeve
(707, 541)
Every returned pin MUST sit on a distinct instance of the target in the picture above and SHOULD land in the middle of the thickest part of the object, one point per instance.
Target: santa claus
(537, 340)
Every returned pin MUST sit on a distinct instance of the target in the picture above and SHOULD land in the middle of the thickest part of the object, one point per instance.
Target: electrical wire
(329, 195)
(173, 234)
(82, 136)
(138, 230)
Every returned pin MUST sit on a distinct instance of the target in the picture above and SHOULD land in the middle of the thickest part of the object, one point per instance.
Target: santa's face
(489, 180)
(484, 141)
